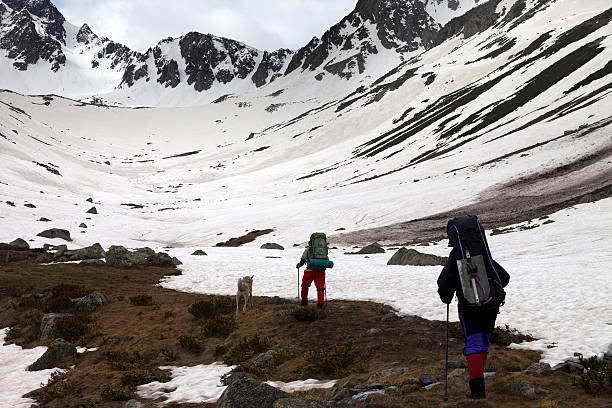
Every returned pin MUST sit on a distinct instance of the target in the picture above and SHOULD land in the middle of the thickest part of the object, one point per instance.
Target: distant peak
(85, 35)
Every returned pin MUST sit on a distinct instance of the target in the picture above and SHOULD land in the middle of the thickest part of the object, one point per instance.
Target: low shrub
(190, 344)
(247, 348)
(61, 296)
(597, 378)
(504, 336)
(308, 314)
(169, 355)
(116, 392)
(334, 363)
(57, 387)
(73, 328)
(134, 378)
(141, 300)
(257, 372)
(206, 309)
(123, 360)
(219, 326)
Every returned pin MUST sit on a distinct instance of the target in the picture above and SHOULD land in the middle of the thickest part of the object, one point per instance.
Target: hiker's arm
(446, 284)
(503, 275)
(303, 259)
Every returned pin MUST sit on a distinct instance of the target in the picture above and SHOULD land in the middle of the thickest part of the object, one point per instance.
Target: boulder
(199, 252)
(133, 404)
(19, 245)
(16, 256)
(56, 233)
(159, 259)
(48, 321)
(55, 354)
(89, 200)
(525, 390)
(29, 205)
(307, 402)
(140, 255)
(118, 256)
(427, 379)
(91, 302)
(176, 261)
(82, 225)
(245, 392)
(92, 210)
(374, 248)
(271, 245)
(5, 247)
(43, 219)
(539, 369)
(413, 257)
(92, 252)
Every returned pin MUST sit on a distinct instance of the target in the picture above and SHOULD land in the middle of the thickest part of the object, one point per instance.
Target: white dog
(245, 290)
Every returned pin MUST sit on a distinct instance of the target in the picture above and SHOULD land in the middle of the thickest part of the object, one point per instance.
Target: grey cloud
(265, 24)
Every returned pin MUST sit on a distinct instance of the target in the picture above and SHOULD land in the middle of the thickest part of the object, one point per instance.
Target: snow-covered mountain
(43, 53)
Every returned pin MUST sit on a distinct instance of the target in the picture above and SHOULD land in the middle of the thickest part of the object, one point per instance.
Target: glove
(298, 265)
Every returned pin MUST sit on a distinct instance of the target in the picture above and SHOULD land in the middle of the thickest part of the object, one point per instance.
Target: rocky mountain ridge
(34, 32)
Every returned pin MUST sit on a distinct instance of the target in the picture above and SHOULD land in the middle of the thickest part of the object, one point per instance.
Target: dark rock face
(271, 63)
(56, 233)
(401, 25)
(92, 210)
(244, 392)
(199, 252)
(85, 35)
(474, 21)
(59, 350)
(415, 258)
(374, 248)
(24, 43)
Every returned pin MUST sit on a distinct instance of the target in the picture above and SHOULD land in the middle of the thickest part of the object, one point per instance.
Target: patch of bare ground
(352, 340)
(522, 199)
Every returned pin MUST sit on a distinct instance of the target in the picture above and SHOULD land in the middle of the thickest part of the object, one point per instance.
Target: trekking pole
(298, 283)
(446, 363)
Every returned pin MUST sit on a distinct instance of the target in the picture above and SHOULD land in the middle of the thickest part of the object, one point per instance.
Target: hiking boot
(319, 305)
(477, 389)
(304, 303)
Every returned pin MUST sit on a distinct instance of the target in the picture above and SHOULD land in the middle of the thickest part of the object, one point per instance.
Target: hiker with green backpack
(316, 258)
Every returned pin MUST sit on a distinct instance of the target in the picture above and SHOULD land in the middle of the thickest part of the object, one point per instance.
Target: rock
(91, 302)
(457, 373)
(525, 390)
(388, 373)
(160, 259)
(427, 379)
(133, 404)
(45, 257)
(271, 245)
(539, 369)
(92, 210)
(340, 394)
(48, 321)
(569, 367)
(118, 256)
(245, 392)
(176, 261)
(82, 225)
(374, 248)
(140, 255)
(55, 354)
(265, 359)
(130, 337)
(56, 233)
(393, 391)
(29, 205)
(16, 256)
(4, 246)
(89, 200)
(608, 354)
(92, 252)
(413, 257)
(12, 204)
(43, 219)
(19, 245)
(365, 395)
(199, 252)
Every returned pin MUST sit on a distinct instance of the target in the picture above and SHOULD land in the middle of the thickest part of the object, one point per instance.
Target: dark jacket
(449, 284)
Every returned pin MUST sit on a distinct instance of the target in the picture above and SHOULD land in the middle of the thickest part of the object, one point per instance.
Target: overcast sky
(264, 24)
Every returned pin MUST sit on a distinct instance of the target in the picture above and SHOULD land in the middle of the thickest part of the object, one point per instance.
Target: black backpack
(480, 280)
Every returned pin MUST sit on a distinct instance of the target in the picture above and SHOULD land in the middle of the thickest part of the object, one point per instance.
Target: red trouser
(319, 280)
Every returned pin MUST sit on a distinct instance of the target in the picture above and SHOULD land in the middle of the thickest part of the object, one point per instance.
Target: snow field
(558, 291)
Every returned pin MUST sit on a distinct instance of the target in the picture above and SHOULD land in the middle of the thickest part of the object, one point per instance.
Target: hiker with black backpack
(479, 283)
(316, 258)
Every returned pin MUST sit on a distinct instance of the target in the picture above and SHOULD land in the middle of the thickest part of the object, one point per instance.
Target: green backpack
(318, 249)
